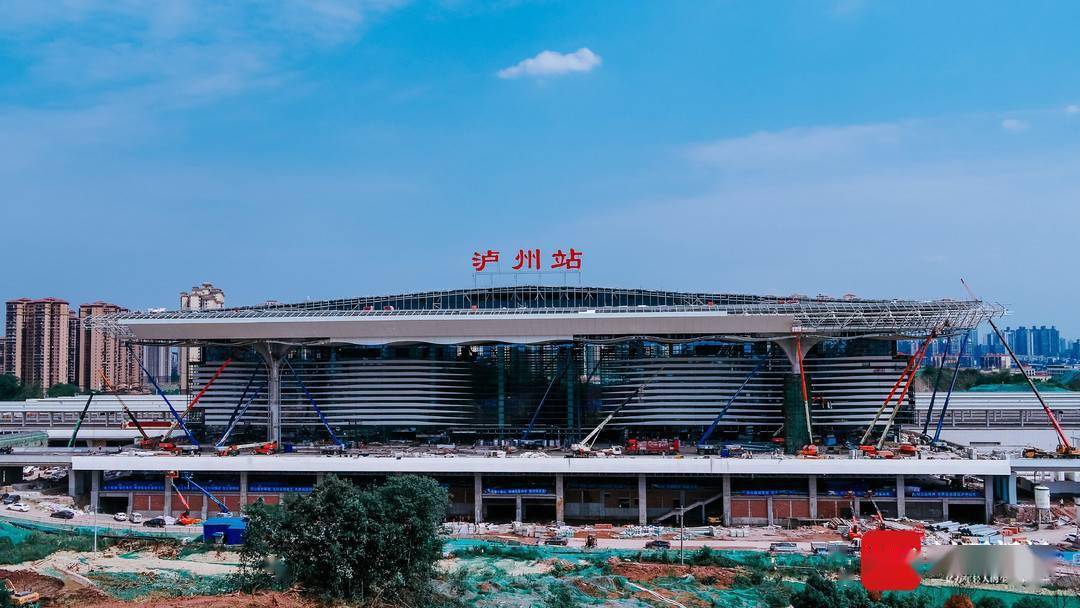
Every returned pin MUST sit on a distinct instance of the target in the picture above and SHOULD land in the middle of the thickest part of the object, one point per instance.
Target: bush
(343, 542)
(1032, 602)
(39, 545)
(559, 596)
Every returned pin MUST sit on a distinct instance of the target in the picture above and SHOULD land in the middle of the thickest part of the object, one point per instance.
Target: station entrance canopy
(538, 315)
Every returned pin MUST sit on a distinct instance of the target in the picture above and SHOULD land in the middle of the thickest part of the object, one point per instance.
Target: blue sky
(317, 149)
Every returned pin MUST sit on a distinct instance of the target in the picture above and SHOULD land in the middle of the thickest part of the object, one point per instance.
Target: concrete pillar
(478, 498)
(319, 477)
(643, 502)
(725, 480)
(168, 496)
(95, 491)
(769, 509)
(131, 504)
(73, 484)
(519, 509)
(10, 475)
(273, 354)
(945, 509)
(206, 507)
(243, 489)
(560, 500)
(901, 502)
(812, 492)
(1012, 489)
(988, 496)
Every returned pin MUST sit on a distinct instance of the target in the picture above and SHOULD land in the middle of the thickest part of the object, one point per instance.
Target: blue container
(230, 529)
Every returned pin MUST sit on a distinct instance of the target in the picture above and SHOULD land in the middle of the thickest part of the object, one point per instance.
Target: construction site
(592, 421)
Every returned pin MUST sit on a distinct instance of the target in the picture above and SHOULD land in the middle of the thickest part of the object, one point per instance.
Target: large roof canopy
(536, 314)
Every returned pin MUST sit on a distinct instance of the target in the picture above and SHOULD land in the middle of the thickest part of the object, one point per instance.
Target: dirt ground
(644, 572)
(259, 600)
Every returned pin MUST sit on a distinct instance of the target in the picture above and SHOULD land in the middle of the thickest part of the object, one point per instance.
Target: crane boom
(78, 423)
(712, 427)
(587, 443)
(1046, 408)
(109, 386)
(191, 406)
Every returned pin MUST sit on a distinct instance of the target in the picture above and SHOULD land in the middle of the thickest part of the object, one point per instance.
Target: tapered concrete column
(95, 491)
(478, 498)
(812, 492)
(643, 503)
(988, 497)
(273, 355)
(1012, 489)
(243, 489)
(901, 504)
(560, 500)
(725, 481)
(519, 509)
(167, 507)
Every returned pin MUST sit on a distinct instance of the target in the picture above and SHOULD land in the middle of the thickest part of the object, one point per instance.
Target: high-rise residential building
(103, 354)
(158, 361)
(38, 341)
(1021, 342)
(201, 297)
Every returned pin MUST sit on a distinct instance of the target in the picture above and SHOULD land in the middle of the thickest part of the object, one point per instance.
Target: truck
(652, 446)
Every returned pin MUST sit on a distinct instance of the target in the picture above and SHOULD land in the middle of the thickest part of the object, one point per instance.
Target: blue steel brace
(952, 383)
(243, 396)
(712, 427)
(220, 504)
(933, 396)
(558, 376)
(239, 415)
(313, 403)
(179, 420)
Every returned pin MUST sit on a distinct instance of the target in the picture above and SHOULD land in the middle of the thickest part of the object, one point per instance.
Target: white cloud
(1014, 125)
(551, 63)
(798, 147)
(1072, 109)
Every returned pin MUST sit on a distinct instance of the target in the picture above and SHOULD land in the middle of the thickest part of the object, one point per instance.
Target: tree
(62, 390)
(989, 601)
(12, 389)
(344, 542)
(5, 596)
(958, 601)
(819, 592)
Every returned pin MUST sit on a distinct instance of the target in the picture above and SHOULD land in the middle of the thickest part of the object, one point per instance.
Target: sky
(329, 148)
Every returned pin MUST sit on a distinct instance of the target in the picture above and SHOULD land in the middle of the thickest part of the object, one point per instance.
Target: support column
(167, 507)
(500, 365)
(272, 355)
(131, 504)
(725, 480)
(478, 498)
(812, 492)
(643, 502)
(901, 504)
(73, 484)
(519, 509)
(205, 508)
(1012, 490)
(319, 477)
(570, 377)
(945, 509)
(243, 489)
(95, 491)
(769, 509)
(560, 500)
(988, 496)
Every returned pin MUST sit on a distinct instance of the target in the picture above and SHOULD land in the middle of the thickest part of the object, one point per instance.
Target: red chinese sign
(529, 259)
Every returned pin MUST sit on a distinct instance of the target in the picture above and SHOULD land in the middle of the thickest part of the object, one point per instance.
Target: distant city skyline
(334, 149)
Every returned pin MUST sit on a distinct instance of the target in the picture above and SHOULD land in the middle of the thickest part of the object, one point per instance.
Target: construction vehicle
(703, 445)
(183, 500)
(656, 447)
(21, 598)
(585, 447)
(809, 451)
(264, 448)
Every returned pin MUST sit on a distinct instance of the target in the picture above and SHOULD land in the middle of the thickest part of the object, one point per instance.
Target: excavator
(21, 598)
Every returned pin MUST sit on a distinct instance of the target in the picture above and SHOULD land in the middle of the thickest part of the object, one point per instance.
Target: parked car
(11, 499)
(63, 514)
(20, 507)
(136, 518)
(556, 540)
(783, 548)
(658, 544)
(155, 522)
(121, 516)
(4, 496)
